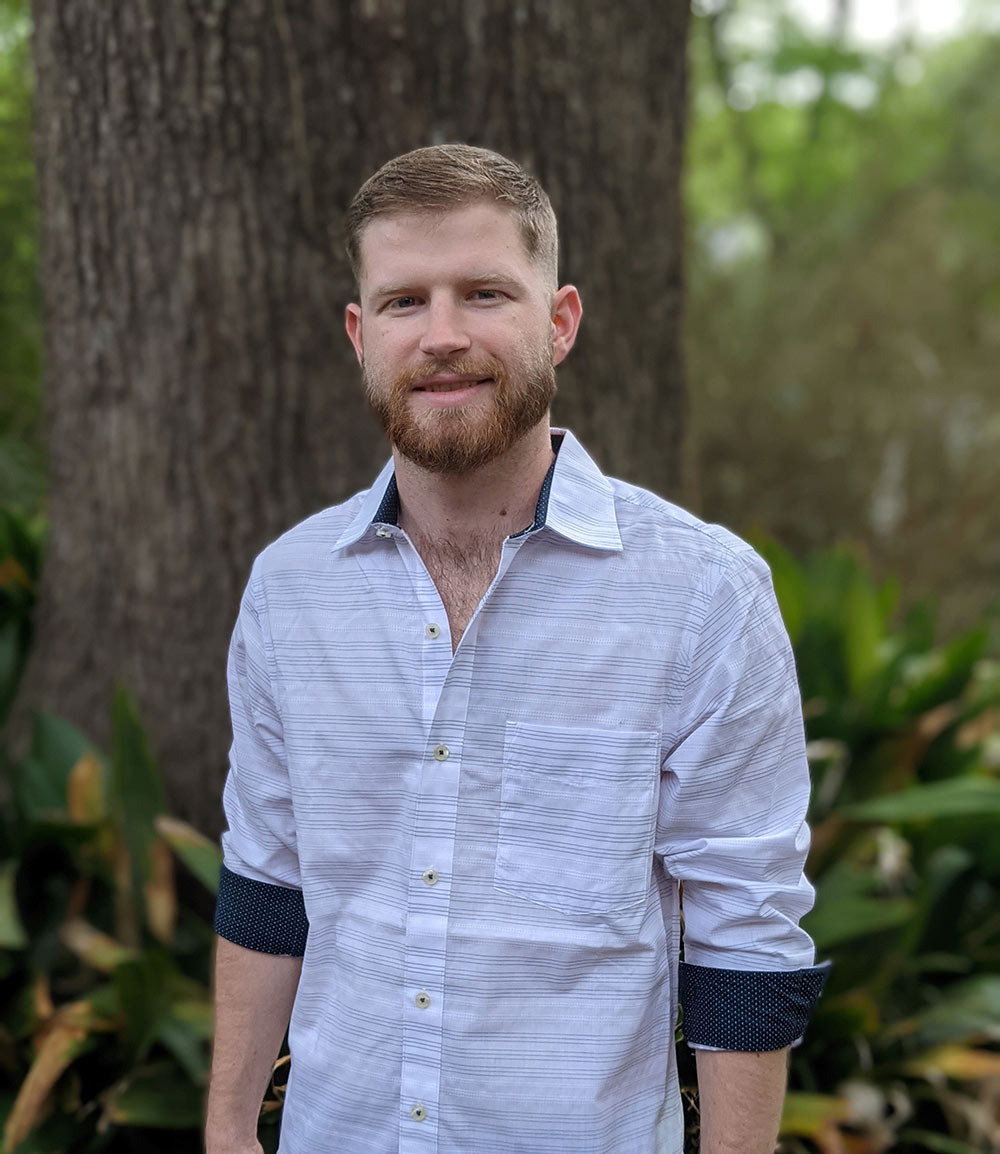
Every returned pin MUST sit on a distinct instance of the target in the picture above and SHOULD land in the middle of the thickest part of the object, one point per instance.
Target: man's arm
(254, 993)
(732, 831)
(741, 1095)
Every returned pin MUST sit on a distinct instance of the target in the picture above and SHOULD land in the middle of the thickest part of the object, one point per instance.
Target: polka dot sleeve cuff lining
(259, 916)
(748, 1009)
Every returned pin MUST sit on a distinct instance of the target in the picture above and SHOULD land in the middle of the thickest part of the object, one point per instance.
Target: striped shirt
(479, 854)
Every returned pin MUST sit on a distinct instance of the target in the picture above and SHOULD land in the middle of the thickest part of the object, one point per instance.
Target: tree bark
(194, 163)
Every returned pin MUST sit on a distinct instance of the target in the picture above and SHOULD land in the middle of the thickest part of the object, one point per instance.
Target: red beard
(464, 438)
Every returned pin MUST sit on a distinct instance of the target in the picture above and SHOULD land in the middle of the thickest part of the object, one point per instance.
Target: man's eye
(486, 294)
(403, 303)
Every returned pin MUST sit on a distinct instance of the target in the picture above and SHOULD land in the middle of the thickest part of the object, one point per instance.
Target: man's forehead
(481, 224)
(434, 219)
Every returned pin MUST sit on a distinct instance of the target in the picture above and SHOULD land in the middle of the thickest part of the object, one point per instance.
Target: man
(487, 716)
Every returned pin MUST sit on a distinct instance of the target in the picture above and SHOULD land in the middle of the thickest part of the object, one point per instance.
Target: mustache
(461, 366)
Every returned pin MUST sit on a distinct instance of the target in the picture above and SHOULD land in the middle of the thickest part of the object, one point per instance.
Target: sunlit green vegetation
(905, 753)
(22, 472)
(844, 299)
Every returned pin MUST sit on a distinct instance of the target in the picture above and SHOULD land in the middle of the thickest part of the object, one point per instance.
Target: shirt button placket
(426, 934)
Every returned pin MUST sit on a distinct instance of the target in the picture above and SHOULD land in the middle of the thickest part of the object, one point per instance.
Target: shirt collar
(576, 501)
(581, 501)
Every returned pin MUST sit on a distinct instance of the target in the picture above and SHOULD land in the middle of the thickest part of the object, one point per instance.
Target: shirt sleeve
(731, 824)
(260, 904)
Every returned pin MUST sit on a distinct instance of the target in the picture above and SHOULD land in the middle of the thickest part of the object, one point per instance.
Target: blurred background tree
(194, 165)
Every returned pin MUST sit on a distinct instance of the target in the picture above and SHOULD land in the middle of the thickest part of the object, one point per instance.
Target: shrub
(905, 749)
(103, 972)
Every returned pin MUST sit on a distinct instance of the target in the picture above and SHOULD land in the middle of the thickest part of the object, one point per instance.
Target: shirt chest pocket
(577, 816)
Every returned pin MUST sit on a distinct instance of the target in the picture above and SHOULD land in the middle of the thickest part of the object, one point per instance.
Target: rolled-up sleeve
(260, 903)
(731, 824)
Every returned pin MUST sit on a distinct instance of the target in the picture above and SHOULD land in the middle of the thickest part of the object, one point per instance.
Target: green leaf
(864, 629)
(12, 655)
(188, 1042)
(142, 986)
(12, 935)
(943, 674)
(201, 856)
(157, 1095)
(55, 1136)
(21, 538)
(40, 778)
(136, 793)
(810, 1115)
(958, 797)
(842, 919)
(935, 1143)
(790, 586)
(964, 1010)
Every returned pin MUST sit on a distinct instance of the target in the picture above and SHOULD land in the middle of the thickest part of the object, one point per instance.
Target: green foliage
(20, 565)
(22, 469)
(904, 741)
(843, 297)
(103, 973)
(104, 970)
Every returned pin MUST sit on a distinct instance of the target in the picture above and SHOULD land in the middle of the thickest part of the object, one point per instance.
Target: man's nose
(444, 334)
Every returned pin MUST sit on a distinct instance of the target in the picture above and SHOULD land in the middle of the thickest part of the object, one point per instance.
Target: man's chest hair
(462, 571)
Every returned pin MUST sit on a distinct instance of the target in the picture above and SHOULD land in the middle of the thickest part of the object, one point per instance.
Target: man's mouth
(450, 385)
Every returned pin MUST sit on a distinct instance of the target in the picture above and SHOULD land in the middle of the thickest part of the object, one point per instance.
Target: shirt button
(433, 631)
(430, 877)
(423, 999)
(441, 753)
(418, 1113)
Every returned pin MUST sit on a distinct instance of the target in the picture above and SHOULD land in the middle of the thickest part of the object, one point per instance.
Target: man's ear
(567, 310)
(352, 322)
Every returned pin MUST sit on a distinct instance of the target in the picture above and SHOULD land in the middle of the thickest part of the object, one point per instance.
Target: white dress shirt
(479, 854)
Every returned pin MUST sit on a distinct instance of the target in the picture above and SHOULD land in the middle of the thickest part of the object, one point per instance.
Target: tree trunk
(194, 163)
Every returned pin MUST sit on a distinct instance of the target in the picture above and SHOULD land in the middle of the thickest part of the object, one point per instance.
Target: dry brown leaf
(975, 731)
(59, 1047)
(126, 926)
(97, 949)
(160, 893)
(41, 998)
(85, 791)
(173, 829)
(936, 720)
(13, 572)
(963, 1063)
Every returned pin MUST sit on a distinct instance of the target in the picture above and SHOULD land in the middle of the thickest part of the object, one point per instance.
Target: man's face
(457, 334)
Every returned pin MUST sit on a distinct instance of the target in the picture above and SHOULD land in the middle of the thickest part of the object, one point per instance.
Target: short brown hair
(447, 176)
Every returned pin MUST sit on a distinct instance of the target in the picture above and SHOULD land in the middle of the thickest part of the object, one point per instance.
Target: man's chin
(450, 459)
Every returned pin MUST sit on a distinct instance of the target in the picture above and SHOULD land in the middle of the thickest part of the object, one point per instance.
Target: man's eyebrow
(499, 279)
(391, 290)
(496, 279)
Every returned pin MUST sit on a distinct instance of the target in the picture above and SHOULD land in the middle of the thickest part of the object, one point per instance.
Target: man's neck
(487, 505)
